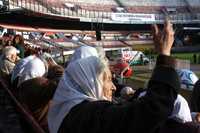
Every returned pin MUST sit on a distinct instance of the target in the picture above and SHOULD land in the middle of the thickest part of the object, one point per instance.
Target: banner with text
(132, 17)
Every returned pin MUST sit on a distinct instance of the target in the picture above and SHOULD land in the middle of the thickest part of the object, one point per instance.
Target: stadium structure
(62, 25)
(102, 18)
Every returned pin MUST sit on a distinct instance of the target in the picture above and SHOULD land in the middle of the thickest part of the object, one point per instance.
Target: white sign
(127, 55)
(132, 17)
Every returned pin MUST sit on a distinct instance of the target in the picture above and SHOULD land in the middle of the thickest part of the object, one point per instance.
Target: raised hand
(163, 39)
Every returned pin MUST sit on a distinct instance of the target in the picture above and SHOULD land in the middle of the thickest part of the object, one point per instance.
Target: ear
(105, 75)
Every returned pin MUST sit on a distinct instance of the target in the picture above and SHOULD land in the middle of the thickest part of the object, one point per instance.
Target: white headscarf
(79, 83)
(83, 52)
(19, 67)
(181, 111)
(28, 68)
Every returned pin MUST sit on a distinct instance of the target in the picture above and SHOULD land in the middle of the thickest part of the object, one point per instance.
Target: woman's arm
(157, 104)
(143, 115)
(148, 112)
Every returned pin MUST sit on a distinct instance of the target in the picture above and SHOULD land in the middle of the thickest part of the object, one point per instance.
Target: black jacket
(172, 126)
(195, 100)
(144, 115)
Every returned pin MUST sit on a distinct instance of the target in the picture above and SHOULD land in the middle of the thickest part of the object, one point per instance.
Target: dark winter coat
(144, 115)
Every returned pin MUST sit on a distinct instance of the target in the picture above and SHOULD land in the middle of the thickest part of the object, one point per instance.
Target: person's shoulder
(198, 83)
(7, 62)
(91, 106)
(95, 104)
(172, 125)
(193, 126)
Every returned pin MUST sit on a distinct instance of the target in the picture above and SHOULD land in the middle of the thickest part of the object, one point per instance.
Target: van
(115, 53)
(126, 54)
(135, 57)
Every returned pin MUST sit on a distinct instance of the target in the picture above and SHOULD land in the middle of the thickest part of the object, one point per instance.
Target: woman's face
(13, 58)
(108, 86)
(17, 39)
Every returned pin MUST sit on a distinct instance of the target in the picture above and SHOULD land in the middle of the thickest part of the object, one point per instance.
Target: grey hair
(101, 52)
(103, 68)
(8, 51)
(103, 61)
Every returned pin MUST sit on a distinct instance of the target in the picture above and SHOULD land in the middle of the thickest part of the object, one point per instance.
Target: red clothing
(119, 67)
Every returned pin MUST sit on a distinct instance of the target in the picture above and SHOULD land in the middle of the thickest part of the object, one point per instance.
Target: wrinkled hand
(163, 39)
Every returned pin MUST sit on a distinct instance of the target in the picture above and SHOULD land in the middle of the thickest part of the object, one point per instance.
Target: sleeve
(149, 112)
(195, 104)
(165, 72)
(154, 108)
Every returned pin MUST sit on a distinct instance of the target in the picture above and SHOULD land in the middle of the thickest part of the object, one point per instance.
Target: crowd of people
(23, 48)
(81, 98)
(30, 74)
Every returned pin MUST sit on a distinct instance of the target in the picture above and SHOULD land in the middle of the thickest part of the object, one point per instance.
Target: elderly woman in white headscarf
(84, 79)
(35, 79)
(31, 67)
(92, 87)
(28, 68)
(8, 60)
(82, 101)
